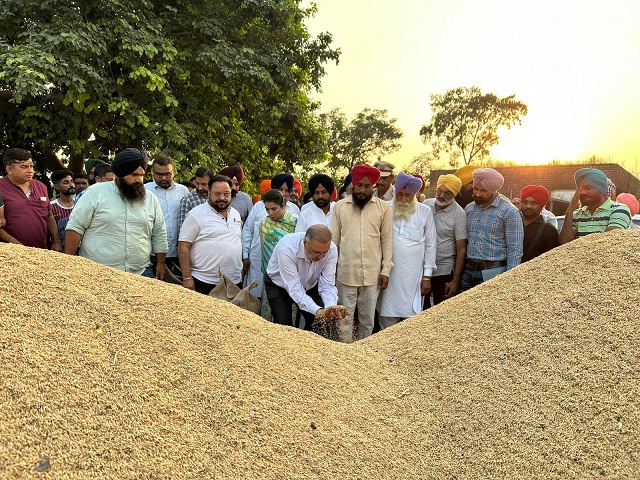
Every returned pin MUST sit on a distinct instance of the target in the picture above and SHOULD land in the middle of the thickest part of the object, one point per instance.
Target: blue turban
(411, 183)
(128, 161)
(594, 177)
(281, 179)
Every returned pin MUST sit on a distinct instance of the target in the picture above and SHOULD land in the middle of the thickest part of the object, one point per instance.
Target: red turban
(264, 186)
(297, 186)
(539, 194)
(233, 171)
(334, 195)
(361, 171)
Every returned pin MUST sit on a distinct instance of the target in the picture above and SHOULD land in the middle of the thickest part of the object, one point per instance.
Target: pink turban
(409, 182)
(361, 171)
(539, 194)
(491, 179)
(630, 201)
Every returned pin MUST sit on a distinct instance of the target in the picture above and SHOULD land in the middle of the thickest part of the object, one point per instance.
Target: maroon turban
(539, 194)
(361, 171)
(233, 171)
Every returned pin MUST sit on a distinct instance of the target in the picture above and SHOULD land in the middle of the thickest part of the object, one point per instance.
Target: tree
(370, 134)
(465, 123)
(214, 83)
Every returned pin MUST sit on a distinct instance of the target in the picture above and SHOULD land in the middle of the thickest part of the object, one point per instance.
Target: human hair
(202, 172)
(80, 175)
(58, 175)
(15, 155)
(220, 178)
(163, 160)
(188, 184)
(273, 196)
(102, 169)
(320, 233)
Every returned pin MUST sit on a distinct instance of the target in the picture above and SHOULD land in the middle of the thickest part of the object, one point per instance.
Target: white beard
(404, 210)
(446, 203)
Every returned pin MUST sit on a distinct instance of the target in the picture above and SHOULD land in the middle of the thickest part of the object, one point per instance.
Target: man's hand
(575, 200)
(161, 273)
(425, 286)
(383, 281)
(56, 246)
(452, 288)
(246, 264)
(189, 283)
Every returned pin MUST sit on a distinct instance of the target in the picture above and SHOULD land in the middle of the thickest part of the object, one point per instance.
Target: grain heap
(531, 375)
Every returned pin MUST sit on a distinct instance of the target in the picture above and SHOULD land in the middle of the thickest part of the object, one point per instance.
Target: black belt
(484, 264)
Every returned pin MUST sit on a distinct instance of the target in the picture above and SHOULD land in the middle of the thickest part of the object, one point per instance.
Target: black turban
(321, 179)
(128, 161)
(233, 171)
(281, 179)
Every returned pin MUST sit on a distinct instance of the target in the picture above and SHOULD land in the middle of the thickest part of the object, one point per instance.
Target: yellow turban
(465, 173)
(450, 181)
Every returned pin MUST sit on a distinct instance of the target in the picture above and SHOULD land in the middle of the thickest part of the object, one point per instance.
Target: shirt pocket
(39, 206)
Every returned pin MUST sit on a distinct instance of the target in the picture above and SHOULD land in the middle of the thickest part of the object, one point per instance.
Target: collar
(606, 205)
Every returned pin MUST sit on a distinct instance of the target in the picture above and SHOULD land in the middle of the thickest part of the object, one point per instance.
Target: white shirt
(312, 215)
(215, 243)
(169, 199)
(289, 268)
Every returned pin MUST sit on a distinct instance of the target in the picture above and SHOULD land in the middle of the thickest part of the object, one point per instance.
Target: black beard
(234, 193)
(132, 193)
(361, 202)
(321, 203)
(217, 208)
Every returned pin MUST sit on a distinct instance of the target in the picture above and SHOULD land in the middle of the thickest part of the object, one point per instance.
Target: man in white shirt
(169, 195)
(209, 241)
(302, 270)
(384, 188)
(319, 211)
(414, 254)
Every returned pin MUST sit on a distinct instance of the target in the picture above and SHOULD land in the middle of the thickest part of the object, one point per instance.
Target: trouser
(386, 322)
(168, 262)
(281, 302)
(438, 286)
(205, 288)
(364, 298)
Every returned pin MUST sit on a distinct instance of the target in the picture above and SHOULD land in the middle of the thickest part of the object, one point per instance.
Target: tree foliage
(215, 83)
(465, 123)
(370, 134)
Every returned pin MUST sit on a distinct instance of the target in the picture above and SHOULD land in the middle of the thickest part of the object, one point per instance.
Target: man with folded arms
(539, 235)
(494, 231)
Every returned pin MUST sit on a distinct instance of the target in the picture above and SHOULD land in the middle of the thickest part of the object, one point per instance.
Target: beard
(361, 199)
(132, 193)
(445, 203)
(234, 193)
(219, 205)
(320, 203)
(404, 210)
(69, 191)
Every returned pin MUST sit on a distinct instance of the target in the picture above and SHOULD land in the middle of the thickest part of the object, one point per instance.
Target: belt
(484, 264)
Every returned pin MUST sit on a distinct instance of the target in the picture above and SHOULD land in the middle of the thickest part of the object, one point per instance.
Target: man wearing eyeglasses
(210, 240)
(28, 214)
(169, 195)
(451, 249)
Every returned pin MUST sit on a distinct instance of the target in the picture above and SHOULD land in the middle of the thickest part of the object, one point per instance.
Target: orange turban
(265, 185)
(539, 194)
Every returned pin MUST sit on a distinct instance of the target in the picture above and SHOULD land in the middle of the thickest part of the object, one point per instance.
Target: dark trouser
(472, 274)
(205, 288)
(281, 304)
(438, 286)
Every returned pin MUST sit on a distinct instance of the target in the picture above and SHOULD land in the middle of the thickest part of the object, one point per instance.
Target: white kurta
(414, 256)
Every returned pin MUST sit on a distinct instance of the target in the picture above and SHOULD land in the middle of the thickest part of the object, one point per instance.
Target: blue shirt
(495, 233)
(169, 199)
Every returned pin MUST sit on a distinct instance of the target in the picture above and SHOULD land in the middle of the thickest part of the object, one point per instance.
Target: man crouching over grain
(118, 224)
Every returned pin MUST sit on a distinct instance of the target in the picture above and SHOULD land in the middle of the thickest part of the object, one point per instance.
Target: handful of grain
(332, 314)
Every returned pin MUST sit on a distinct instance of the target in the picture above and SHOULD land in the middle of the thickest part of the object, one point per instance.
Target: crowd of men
(375, 245)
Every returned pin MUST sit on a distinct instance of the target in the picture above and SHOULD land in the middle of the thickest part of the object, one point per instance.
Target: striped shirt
(495, 233)
(608, 215)
(189, 201)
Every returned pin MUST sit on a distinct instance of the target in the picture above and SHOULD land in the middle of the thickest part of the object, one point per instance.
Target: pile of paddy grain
(534, 374)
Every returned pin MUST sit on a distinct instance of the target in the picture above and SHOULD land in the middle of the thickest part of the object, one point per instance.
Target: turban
(321, 179)
(256, 198)
(409, 182)
(347, 180)
(385, 168)
(593, 177)
(334, 194)
(539, 194)
(93, 162)
(233, 171)
(128, 161)
(281, 179)
(491, 179)
(611, 189)
(453, 183)
(264, 186)
(361, 171)
(465, 173)
(630, 201)
(424, 184)
(297, 186)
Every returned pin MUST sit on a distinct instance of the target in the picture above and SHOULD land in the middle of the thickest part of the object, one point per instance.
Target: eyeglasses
(163, 175)
(221, 195)
(24, 166)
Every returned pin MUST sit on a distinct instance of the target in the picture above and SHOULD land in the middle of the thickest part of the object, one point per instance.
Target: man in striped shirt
(598, 212)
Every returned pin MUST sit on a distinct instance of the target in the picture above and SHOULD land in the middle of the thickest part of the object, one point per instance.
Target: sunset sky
(576, 64)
